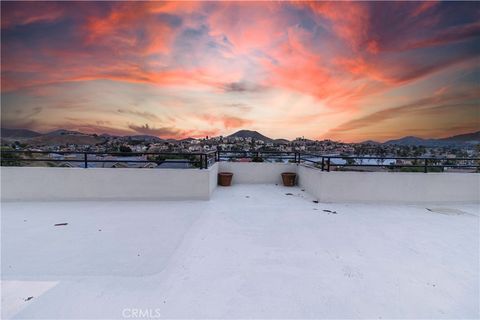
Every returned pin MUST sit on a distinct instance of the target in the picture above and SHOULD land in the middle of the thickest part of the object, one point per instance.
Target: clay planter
(289, 179)
(225, 179)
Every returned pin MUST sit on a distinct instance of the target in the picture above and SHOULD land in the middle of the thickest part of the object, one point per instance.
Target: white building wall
(408, 187)
(257, 172)
(30, 183)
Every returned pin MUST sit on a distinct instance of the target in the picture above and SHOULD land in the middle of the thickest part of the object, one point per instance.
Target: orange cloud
(120, 27)
(339, 55)
(131, 73)
(425, 107)
(299, 68)
(398, 72)
(247, 25)
(229, 122)
(350, 20)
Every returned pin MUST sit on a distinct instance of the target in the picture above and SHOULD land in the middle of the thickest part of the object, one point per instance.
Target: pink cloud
(350, 20)
(119, 29)
(422, 7)
(339, 53)
(228, 122)
(424, 108)
(247, 25)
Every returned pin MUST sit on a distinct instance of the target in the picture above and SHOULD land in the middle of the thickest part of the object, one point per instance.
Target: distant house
(402, 162)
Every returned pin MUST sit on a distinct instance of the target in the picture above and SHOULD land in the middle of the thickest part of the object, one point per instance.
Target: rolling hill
(468, 138)
(473, 138)
(18, 133)
(62, 136)
(250, 134)
(57, 137)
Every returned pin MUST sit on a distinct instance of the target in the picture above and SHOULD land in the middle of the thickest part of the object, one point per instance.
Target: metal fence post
(425, 169)
(323, 163)
(85, 160)
(328, 164)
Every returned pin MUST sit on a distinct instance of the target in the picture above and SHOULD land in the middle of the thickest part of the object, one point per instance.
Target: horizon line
(221, 135)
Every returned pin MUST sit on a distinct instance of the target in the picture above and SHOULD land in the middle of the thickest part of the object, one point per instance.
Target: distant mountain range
(468, 138)
(63, 136)
(18, 133)
(57, 137)
(24, 133)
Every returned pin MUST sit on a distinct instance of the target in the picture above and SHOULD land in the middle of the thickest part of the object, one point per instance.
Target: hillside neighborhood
(64, 141)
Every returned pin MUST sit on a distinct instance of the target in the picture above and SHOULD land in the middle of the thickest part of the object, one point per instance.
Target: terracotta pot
(288, 179)
(225, 179)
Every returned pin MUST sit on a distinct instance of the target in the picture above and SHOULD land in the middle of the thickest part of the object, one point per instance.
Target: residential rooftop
(251, 251)
(106, 243)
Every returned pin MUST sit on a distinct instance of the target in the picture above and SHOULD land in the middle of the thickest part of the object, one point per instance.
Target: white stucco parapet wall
(30, 183)
(257, 172)
(50, 184)
(382, 187)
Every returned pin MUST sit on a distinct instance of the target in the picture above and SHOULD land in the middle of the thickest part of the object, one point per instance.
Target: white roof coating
(251, 252)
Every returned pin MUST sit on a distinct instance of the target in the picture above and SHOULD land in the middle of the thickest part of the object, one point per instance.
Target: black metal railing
(258, 156)
(329, 162)
(425, 164)
(87, 159)
(204, 160)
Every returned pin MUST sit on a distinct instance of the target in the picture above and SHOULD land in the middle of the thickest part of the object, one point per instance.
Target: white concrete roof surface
(251, 252)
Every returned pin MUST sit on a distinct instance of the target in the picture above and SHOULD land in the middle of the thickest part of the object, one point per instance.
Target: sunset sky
(344, 71)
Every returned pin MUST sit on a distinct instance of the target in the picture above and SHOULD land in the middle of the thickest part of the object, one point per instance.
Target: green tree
(9, 159)
(349, 161)
(124, 148)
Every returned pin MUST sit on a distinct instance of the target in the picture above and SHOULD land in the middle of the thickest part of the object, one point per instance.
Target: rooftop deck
(252, 251)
